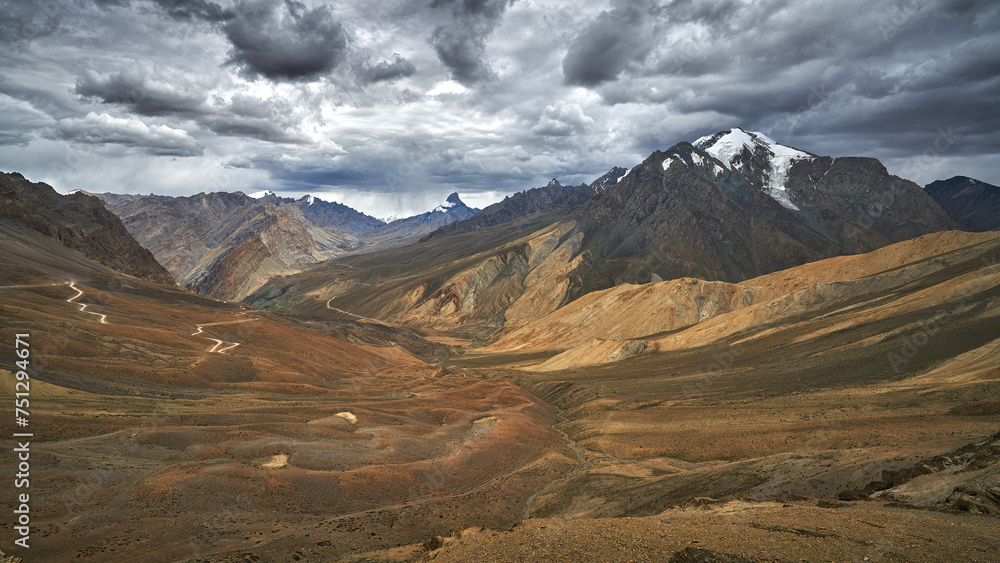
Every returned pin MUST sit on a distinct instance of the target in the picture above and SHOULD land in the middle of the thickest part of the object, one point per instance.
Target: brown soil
(741, 531)
(151, 446)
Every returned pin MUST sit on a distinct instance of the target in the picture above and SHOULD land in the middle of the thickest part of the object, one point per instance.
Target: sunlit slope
(817, 298)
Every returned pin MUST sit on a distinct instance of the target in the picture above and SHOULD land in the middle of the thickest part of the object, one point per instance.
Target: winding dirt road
(349, 314)
(83, 306)
(221, 346)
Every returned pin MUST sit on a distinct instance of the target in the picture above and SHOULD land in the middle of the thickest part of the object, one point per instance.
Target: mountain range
(553, 199)
(729, 207)
(225, 245)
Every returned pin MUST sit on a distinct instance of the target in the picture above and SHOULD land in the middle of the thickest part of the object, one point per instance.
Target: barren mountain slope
(78, 221)
(472, 280)
(179, 427)
(225, 245)
(641, 311)
(973, 204)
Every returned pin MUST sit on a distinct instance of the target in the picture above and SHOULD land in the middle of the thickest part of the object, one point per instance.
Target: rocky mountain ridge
(226, 244)
(553, 198)
(78, 221)
(326, 214)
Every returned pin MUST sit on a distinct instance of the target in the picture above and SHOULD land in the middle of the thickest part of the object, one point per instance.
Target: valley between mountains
(733, 351)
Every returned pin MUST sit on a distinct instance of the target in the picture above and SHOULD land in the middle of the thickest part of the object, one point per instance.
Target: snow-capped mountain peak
(736, 149)
(727, 146)
(265, 193)
(450, 203)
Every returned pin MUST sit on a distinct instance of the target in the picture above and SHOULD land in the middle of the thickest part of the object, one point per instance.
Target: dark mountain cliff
(79, 221)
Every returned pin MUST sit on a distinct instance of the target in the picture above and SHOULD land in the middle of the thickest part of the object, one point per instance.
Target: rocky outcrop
(967, 480)
(79, 221)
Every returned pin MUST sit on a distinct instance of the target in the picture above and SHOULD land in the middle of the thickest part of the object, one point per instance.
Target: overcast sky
(390, 106)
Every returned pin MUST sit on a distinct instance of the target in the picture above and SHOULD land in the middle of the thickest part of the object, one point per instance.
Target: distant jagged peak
(610, 178)
(452, 202)
(263, 194)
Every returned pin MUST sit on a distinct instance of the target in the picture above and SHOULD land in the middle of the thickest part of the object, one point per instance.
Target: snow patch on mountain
(622, 177)
(667, 163)
(265, 193)
(444, 207)
(729, 146)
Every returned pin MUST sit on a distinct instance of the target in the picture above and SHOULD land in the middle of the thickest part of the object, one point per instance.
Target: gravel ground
(741, 531)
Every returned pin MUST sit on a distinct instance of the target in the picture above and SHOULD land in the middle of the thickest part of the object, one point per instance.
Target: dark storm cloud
(284, 40)
(135, 89)
(387, 71)
(609, 44)
(195, 9)
(464, 54)
(486, 9)
(892, 75)
(103, 129)
(273, 121)
(553, 87)
(461, 43)
(234, 126)
(313, 177)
